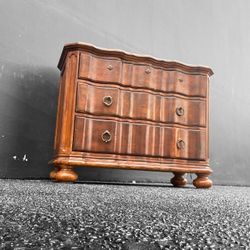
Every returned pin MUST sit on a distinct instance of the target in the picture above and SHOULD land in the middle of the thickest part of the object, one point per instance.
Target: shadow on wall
(28, 105)
(28, 101)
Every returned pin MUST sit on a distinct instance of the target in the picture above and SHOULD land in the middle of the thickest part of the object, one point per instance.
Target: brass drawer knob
(180, 111)
(107, 100)
(110, 67)
(147, 71)
(180, 144)
(180, 80)
(106, 136)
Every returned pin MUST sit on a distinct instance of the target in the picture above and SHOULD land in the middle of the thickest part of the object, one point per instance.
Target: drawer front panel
(111, 70)
(181, 83)
(94, 135)
(140, 105)
(100, 69)
(97, 100)
(146, 76)
(105, 136)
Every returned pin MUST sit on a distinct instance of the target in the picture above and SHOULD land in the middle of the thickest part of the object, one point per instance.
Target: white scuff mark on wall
(1, 218)
(15, 157)
(25, 158)
(2, 136)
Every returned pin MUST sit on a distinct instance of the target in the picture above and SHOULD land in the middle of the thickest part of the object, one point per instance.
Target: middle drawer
(140, 104)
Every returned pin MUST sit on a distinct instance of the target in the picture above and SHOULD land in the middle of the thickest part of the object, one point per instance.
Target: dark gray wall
(214, 33)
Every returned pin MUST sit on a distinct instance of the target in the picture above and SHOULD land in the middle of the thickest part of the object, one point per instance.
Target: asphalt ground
(47, 215)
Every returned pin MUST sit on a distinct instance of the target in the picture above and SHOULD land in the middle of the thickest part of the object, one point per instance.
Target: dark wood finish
(178, 180)
(144, 139)
(142, 75)
(202, 181)
(65, 174)
(141, 105)
(125, 111)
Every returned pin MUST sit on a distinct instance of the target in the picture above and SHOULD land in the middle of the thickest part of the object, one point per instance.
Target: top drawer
(169, 81)
(100, 69)
(138, 75)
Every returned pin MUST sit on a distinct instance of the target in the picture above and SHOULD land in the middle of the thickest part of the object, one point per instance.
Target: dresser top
(123, 55)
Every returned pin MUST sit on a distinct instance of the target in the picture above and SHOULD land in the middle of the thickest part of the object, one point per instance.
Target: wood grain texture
(140, 104)
(132, 138)
(66, 106)
(132, 163)
(120, 110)
(144, 76)
(173, 65)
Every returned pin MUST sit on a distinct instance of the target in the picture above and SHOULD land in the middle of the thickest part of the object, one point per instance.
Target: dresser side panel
(207, 115)
(66, 109)
(59, 112)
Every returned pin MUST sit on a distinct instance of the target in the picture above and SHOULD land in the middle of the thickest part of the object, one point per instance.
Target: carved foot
(202, 181)
(53, 173)
(178, 180)
(66, 174)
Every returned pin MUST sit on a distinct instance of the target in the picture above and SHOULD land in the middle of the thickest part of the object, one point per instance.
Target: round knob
(106, 136)
(148, 71)
(180, 111)
(180, 144)
(107, 100)
(180, 80)
(110, 67)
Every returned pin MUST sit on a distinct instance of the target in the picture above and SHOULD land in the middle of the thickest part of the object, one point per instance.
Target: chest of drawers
(125, 111)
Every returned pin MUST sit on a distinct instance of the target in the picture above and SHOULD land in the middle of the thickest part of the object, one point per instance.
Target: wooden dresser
(126, 111)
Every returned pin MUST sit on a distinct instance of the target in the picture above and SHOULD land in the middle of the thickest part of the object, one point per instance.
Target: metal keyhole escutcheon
(180, 111)
(110, 67)
(106, 136)
(107, 100)
(180, 144)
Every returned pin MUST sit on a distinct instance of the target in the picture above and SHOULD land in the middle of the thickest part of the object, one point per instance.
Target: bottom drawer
(108, 136)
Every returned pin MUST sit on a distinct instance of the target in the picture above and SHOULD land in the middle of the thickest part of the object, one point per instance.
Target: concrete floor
(46, 215)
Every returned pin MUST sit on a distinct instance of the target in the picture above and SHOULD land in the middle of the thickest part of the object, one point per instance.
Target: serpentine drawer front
(121, 110)
(129, 138)
(139, 104)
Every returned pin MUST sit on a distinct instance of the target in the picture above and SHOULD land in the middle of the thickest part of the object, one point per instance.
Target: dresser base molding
(64, 172)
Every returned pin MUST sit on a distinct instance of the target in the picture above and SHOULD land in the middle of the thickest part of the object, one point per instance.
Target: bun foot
(178, 180)
(66, 174)
(202, 181)
(53, 173)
